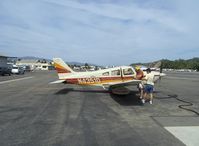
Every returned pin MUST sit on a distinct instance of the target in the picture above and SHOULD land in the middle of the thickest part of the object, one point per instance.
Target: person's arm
(138, 76)
(145, 78)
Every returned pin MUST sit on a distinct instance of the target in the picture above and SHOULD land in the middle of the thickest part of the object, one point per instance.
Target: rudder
(61, 67)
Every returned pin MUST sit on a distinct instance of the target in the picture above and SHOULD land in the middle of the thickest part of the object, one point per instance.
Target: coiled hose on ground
(182, 106)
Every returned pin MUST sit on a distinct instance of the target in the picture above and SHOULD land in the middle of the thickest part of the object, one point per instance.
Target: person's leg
(151, 95)
(145, 93)
(141, 90)
(141, 93)
(144, 97)
(151, 98)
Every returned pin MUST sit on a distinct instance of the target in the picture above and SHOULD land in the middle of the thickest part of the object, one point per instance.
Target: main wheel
(120, 90)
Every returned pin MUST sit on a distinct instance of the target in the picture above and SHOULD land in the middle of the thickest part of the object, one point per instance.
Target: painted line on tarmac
(189, 135)
(182, 78)
(9, 81)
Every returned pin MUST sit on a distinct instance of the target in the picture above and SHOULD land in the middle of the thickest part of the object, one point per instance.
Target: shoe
(141, 97)
(150, 102)
(143, 101)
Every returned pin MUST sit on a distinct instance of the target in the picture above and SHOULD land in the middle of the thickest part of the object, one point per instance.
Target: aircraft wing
(125, 83)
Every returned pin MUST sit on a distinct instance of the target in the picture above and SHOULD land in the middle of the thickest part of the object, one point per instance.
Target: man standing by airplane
(148, 89)
(140, 76)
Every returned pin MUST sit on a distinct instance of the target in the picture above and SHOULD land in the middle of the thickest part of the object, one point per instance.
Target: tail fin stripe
(61, 69)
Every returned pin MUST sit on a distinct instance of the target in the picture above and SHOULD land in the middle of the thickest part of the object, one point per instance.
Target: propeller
(161, 74)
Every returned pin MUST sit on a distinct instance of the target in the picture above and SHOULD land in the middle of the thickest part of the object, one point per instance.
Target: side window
(105, 74)
(128, 71)
(115, 72)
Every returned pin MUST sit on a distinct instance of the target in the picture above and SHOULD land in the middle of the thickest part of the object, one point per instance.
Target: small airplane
(111, 78)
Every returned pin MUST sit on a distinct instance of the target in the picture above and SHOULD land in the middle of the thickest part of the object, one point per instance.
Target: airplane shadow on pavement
(124, 100)
(67, 90)
(127, 100)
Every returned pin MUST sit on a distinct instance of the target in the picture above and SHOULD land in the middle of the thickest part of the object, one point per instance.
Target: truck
(5, 70)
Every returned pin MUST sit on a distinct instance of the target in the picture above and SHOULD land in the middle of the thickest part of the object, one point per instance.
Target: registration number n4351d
(92, 80)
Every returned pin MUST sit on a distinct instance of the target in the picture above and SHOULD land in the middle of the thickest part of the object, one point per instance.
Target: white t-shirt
(150, 79)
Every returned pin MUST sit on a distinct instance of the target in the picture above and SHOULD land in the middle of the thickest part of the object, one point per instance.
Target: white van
(17, 70)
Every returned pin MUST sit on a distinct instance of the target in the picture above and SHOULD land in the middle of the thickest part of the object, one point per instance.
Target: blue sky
(105, 32)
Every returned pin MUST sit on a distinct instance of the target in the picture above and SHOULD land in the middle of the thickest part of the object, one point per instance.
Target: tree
(196, 67)
(87, 66)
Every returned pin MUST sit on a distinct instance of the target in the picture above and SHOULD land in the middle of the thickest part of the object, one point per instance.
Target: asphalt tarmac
(34, 113)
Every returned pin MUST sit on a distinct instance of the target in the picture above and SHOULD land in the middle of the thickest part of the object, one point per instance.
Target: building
(6, 61)
(35, 64)
(6, 64)
(3, 60)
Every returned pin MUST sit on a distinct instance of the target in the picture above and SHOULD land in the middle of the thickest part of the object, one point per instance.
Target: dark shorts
(148, 88)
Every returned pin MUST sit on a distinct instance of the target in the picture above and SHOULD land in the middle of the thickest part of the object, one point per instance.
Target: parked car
(18, 70)
(5, 70)
(28, 68)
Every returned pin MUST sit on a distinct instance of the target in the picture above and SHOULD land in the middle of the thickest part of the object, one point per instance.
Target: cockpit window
(105, 74)
(128, 71)
(115, 72)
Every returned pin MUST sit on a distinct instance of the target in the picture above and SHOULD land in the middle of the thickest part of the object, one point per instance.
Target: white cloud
(102, 32)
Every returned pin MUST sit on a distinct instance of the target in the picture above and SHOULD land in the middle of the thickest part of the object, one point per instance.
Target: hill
(173, 64)
(155, 64)
(50, 60)
(33, 58)
(181, 64)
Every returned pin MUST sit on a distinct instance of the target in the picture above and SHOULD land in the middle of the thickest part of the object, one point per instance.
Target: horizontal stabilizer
(57, 82)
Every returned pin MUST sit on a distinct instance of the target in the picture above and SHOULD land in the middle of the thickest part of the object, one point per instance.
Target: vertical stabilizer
(62, 68)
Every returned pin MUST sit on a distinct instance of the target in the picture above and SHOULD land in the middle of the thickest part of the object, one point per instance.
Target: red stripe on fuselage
(101, 80)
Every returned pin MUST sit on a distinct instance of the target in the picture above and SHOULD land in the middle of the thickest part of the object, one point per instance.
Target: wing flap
(125, 83)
